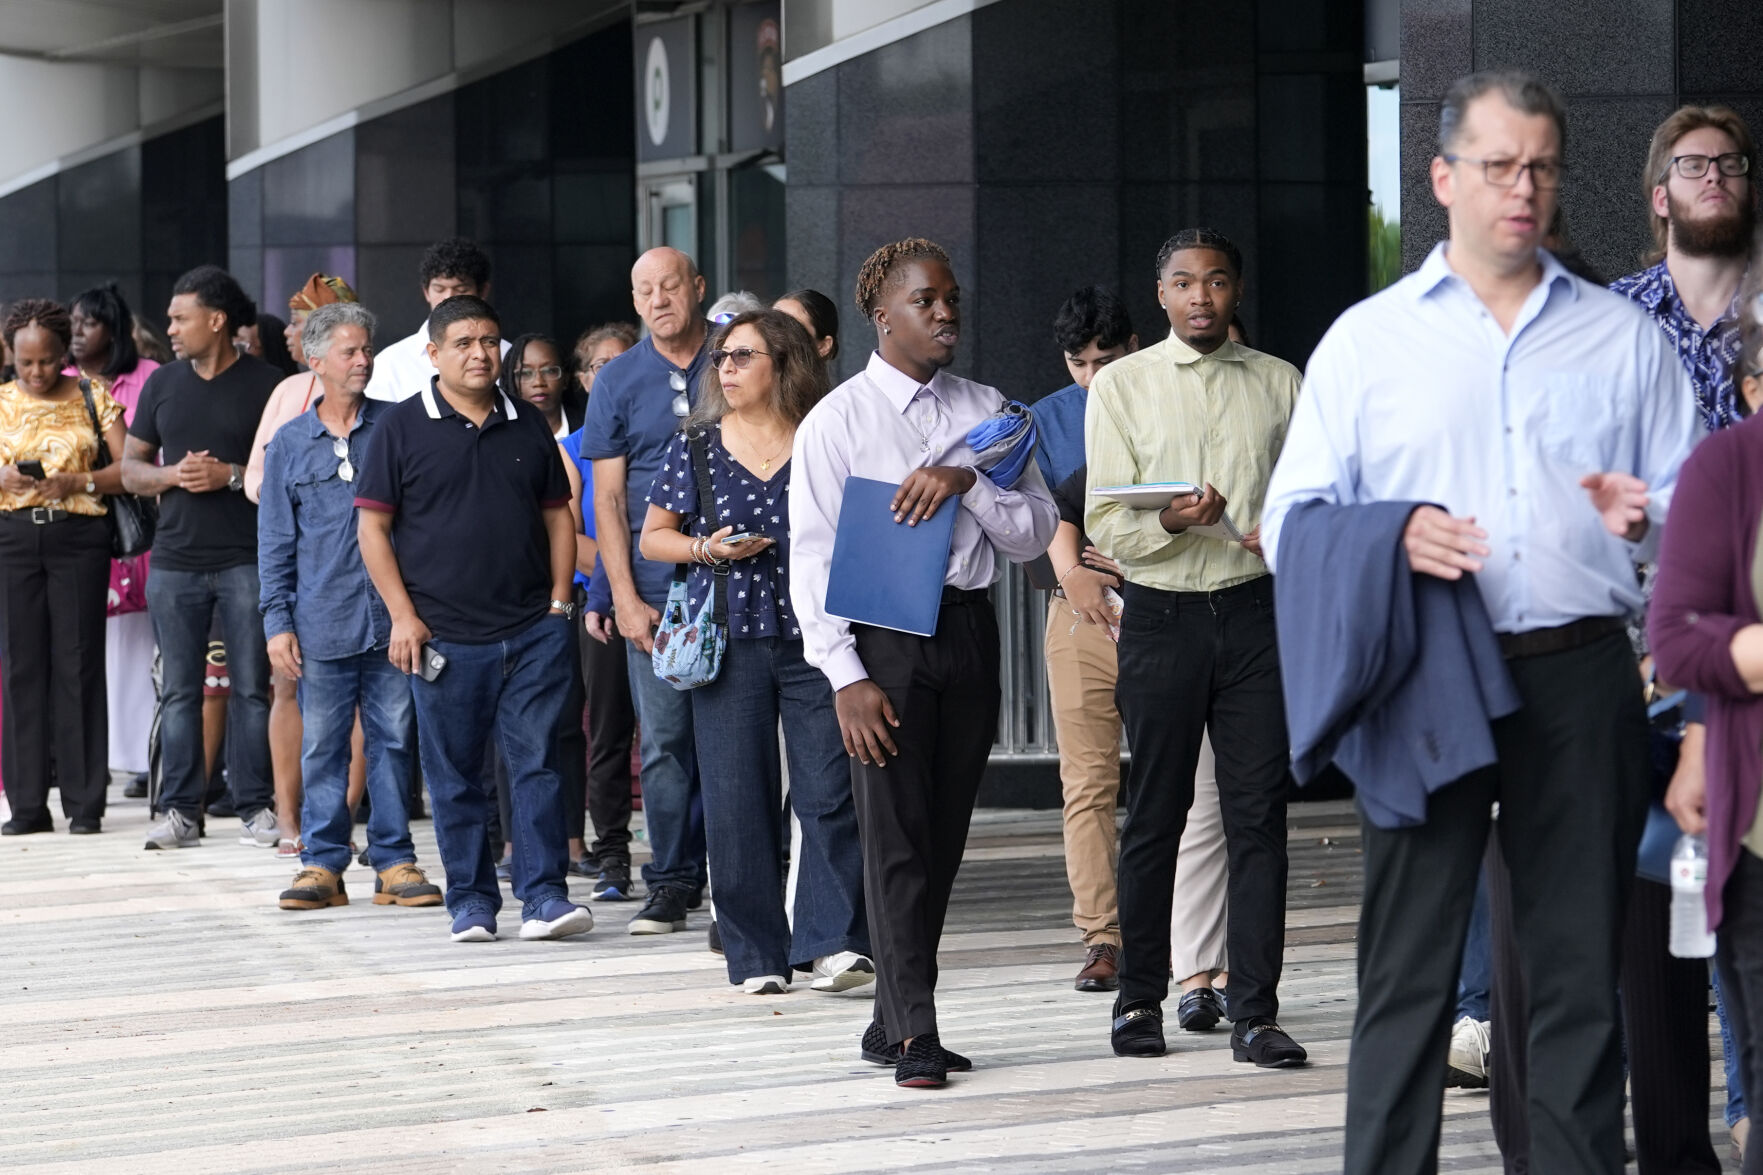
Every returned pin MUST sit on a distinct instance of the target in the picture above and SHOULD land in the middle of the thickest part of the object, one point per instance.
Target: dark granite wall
(1622, 67)
(1053, 143)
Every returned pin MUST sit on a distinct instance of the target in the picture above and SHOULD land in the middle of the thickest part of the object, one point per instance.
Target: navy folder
(884, 572)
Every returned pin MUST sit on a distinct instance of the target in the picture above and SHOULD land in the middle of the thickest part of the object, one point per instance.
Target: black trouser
(572, 737)
(1572, 784)
(912, 814)
(53, 582)
(1192, 662)
(1739, 956)
(612, 728)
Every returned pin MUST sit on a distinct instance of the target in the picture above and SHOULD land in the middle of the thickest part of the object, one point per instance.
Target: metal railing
(1025, 720)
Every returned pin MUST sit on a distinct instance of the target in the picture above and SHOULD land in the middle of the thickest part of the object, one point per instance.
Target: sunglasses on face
(743, 356)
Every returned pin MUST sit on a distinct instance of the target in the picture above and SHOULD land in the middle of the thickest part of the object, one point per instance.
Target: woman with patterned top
(54, 575)
(763, 377)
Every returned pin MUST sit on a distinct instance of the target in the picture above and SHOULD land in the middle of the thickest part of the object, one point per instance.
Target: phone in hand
(32, 469)
(735, 540)
(433, 661)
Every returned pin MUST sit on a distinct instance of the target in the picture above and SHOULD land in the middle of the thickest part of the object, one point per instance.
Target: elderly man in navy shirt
(639, 400)
(466, 529)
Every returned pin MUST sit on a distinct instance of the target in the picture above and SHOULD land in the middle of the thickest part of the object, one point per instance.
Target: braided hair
(51, 316)
(1200, 238)
(873, 278)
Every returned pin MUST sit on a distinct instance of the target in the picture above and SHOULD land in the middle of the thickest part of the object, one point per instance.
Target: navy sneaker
(475, 926)
(557, 918)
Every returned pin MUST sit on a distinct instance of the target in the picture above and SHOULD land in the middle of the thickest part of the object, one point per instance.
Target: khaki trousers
(1081, 672)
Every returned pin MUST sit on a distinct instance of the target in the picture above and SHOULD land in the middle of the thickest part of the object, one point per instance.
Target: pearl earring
(887, 330)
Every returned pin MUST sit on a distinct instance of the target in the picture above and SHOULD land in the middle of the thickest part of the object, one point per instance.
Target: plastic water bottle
(1690, 938)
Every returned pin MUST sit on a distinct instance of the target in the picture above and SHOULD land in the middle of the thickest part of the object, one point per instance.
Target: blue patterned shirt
(1708, 355)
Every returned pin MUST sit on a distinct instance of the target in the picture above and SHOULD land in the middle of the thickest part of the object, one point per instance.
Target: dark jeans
(1572, 782)
(1739, 958)
(736, 719)
(1189, 662)
(53, 582)
(330, 692)
(913, 813)
(183, 605)
(1475, 977)
(612, 726)
(509, 690)
(572, 736)
(671, 814)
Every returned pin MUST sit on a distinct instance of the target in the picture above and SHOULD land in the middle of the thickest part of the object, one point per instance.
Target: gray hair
(734, 303)
(1524, 92)
(321, 324)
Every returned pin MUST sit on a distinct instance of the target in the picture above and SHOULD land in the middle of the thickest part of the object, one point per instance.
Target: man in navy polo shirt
(639, 400)
(466, 531)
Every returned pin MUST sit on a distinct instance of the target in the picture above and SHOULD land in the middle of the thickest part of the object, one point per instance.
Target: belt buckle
(40, 515)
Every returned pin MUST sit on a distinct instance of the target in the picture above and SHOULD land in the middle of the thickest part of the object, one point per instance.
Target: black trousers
(612, 728)
(1739, 956)
(912, 814)
(53, 583)
(572, 736)
(1572, 783)
(1189, 662)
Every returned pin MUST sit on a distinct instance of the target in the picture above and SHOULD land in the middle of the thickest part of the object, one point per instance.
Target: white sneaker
(260, 830)
(765, 985)
(842, 972)
(174, 831)
(1468, 1064)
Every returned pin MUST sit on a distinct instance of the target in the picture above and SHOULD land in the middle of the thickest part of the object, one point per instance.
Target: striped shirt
(1169, 413)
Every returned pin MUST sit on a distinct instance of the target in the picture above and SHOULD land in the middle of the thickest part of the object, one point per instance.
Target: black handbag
(131, 518)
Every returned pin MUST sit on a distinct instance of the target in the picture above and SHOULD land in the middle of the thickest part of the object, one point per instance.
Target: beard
(1725, 236)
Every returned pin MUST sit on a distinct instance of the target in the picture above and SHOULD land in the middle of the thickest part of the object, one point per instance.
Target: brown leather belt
(1540, 642)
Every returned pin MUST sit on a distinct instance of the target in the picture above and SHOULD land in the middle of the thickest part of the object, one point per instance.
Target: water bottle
(1690, 938)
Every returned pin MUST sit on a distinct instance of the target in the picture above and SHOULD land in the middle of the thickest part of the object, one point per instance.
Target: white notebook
(1155, 495)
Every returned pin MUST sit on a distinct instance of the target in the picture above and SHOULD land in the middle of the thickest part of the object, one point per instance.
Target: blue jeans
(1477, 973)
(736, 719)
(1729, 1052)
(511, 690)
(330, 692)
(671, 811)
(183, 604)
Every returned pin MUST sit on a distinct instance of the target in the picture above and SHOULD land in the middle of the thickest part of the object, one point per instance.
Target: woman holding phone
(54, 575)
(764, 376)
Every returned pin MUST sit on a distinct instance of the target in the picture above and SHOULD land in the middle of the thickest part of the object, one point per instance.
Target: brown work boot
(1100, 969)
(405, 885)
(314, 889)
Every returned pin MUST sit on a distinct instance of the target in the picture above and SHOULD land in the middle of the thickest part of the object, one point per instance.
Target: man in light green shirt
(1197, 643)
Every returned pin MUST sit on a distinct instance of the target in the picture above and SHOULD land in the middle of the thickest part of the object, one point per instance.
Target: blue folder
(883, 572)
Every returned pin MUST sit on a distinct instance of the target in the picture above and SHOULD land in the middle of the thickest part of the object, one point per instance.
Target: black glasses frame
(1553, 169)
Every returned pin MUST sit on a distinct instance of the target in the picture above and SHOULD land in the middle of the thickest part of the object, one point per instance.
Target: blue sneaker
(614, 883)
(475, 926)
(557, 918)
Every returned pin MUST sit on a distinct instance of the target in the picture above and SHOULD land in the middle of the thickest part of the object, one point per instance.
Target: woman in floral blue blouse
(764, 376)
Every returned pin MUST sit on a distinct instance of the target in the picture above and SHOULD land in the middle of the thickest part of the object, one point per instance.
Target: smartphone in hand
(432, 662)
(32, 469)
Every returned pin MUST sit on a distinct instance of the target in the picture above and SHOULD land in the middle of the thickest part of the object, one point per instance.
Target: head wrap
(320, 290)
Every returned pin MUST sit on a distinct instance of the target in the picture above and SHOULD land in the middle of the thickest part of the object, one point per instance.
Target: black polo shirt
(467, 511)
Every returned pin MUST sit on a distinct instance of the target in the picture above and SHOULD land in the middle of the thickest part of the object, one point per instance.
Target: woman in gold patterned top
(54, 573)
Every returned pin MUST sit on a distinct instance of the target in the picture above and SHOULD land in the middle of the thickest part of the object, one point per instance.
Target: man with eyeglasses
(327, 629)
(1534, 423)
(639, 400)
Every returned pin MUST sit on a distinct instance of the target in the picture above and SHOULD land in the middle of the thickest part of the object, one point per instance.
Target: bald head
(667, 290)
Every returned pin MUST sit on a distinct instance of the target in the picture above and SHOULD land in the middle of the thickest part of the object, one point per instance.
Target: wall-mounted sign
(667, 108)
(755, 77)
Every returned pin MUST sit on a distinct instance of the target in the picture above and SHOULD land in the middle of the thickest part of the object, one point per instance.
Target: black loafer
(921, 1065)
(84, 826)
(1264, 1043)
(877, 1051)
(1199, 1010)
(21, 826)
(1138, 1032)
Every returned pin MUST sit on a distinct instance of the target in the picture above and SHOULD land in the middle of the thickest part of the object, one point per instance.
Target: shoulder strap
(92, 411)
(698, 441)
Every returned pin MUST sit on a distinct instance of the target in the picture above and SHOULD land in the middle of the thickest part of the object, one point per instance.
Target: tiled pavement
(160, 1014)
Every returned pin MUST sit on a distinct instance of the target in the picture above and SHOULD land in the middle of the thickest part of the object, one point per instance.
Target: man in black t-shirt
(200, 415)
(466, 531)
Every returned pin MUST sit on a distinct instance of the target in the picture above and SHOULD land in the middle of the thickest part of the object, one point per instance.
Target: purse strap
(698, 447)
(92, 411)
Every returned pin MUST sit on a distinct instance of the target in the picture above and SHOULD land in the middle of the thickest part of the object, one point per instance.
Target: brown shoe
(314, 889)
(405, 885)
(1101, 966)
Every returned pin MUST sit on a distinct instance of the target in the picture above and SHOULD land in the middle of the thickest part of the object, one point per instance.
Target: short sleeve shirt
(572, 446)
(58, 433)
(759, 587)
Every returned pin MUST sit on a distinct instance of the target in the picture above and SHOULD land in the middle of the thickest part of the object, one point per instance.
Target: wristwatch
(236, 479)
(563, 609)
(91, 484)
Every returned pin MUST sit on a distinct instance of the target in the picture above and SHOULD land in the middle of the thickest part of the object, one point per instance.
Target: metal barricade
(1025, 720)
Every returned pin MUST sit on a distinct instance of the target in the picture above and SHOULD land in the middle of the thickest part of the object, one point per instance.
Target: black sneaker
(614, 883)
(695, 899)
(586, 867)
(222, 805)
(715, 939)
(663, 913)
(136, 787)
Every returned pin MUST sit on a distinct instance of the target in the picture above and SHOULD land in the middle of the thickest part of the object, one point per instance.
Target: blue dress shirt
(1059, 416)
(1416, 394)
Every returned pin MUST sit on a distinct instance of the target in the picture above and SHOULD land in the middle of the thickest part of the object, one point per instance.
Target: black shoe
(223, 805)
(135, 788)
(614, 883)
(1266, 1044)
(586, 867)
(1138, 1032)
(715, 937)
(83, 826)
(921, 1065)
(22, 826)
(362, 860)
(1200, 1010)
(877, 1051)
(695, 898)
(663, 913)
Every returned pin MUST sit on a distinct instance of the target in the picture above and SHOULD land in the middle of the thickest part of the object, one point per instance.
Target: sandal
(288, 846)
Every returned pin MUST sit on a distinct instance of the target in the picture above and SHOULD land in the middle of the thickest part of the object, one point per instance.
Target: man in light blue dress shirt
(1546, 419)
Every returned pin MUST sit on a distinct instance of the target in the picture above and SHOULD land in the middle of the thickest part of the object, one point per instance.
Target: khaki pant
(1081, 671)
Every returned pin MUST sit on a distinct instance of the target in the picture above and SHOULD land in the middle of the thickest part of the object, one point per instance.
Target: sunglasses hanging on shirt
(340, 448)
(682, 407)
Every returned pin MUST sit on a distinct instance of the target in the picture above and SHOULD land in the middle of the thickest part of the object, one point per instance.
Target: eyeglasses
(1545, 174)
(682, 407)
(340, 449)
(552, 373)
(1694, 167)
(742, 356)
(594, 365)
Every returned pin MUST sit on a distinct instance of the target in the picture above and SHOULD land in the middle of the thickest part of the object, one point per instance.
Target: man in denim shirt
(328, 630)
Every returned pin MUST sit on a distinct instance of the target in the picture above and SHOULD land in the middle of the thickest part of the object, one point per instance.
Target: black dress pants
(612, 728)
(1739, 957)
(1572, 781)
(572, 736)
(912, 814)
(1189, 662)
(53, 583)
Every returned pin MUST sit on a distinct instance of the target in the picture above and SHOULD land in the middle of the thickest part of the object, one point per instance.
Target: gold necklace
(765, 463)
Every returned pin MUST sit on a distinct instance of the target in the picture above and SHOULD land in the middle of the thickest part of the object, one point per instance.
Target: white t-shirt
(404, 369)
